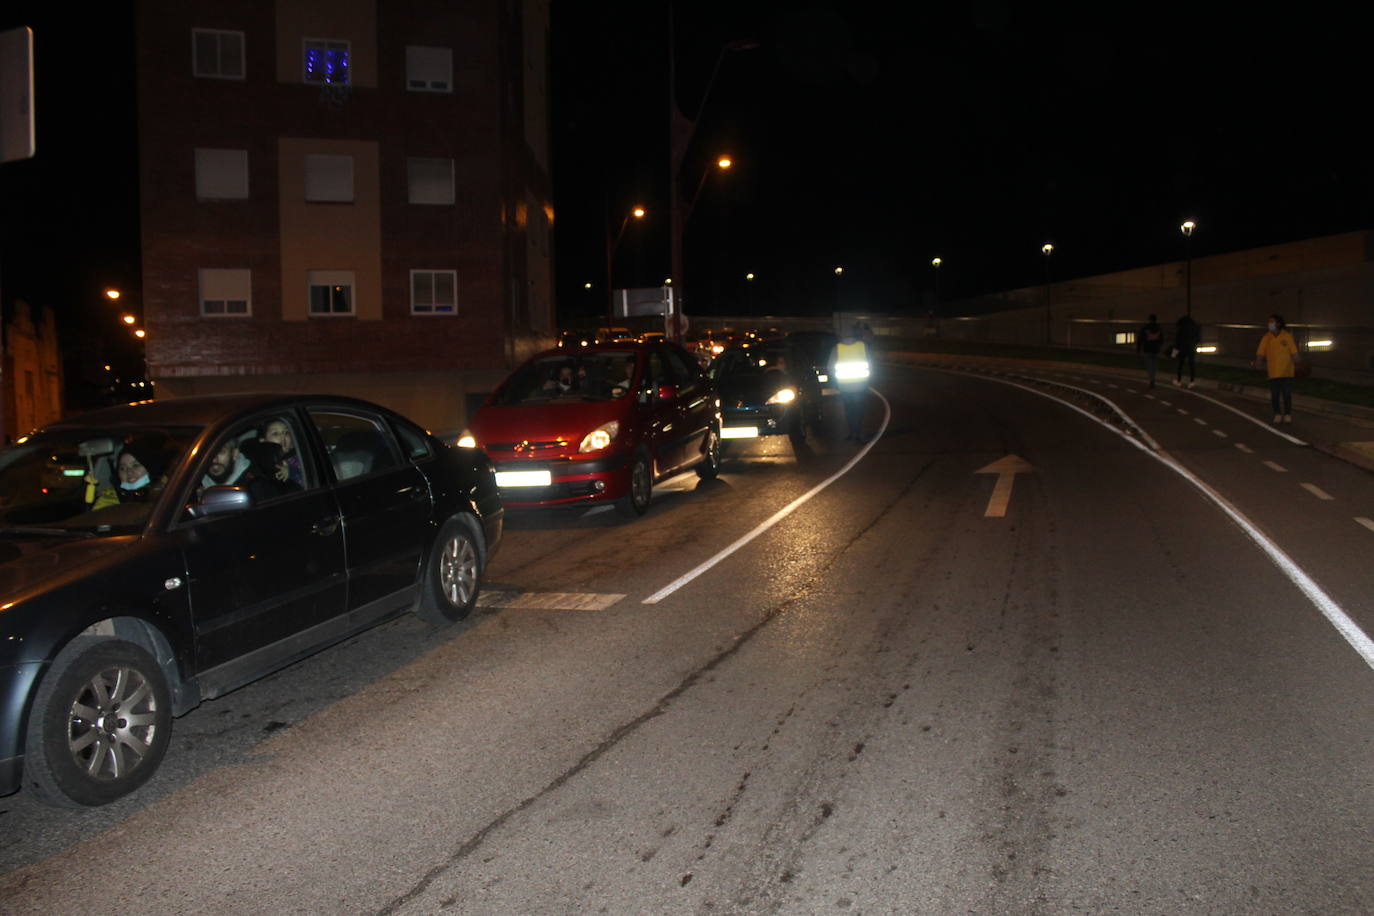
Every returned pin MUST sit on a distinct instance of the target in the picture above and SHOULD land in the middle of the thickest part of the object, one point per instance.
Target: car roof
(198, 410)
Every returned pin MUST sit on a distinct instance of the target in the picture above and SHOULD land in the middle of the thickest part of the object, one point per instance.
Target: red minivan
(602, 423)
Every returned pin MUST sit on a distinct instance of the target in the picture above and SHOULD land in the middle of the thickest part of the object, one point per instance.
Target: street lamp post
(935, 263)
(1187, 230)
(1047, 249)
(839, 272)
(611, 246)
(680, 130)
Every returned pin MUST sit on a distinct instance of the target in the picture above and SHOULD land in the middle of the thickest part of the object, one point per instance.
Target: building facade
(348, 196)
(31, 374)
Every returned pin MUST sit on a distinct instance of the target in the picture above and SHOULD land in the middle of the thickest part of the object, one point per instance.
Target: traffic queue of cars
(162, 553)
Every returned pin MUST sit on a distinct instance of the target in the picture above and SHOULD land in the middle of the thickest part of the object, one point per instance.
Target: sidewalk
(1344, 431)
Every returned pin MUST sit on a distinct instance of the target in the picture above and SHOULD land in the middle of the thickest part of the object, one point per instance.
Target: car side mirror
(220, 501)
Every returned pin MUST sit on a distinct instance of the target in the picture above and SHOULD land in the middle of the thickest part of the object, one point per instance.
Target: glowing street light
(140, 333)
(611, 246)
(129, 319)
(1187, 230)
(112, 294)
(1047, 249)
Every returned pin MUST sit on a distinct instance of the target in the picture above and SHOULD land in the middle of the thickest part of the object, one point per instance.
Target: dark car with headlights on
(602, 424)
(163, 553)
(765, 390)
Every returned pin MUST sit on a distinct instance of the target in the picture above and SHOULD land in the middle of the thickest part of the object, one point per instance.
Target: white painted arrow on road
(1006, 470)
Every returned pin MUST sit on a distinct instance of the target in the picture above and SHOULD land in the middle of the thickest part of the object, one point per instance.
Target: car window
(686, 374)
(262, 455)
(568, 378)
(413, 442)
(357, 445)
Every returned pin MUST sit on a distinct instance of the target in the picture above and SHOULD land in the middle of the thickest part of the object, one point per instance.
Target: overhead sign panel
(16, 94)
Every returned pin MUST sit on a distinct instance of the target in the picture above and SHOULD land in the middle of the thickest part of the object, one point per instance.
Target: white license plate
(523, 479)
(739, 432)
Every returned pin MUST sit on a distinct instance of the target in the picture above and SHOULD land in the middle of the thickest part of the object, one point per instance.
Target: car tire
(709, 467)
(71, 760)
(796, 426)
(453, 576)
(636, 502)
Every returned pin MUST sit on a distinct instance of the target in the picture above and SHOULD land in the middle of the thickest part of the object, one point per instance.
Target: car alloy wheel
(709, 468)
(100, 725)
(455, 573)
(636, 502)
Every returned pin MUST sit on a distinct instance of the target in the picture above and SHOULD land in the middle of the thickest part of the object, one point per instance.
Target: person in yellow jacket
(850, 367)
(1279, 353)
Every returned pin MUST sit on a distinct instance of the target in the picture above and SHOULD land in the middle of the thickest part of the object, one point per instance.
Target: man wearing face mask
(1279, 353)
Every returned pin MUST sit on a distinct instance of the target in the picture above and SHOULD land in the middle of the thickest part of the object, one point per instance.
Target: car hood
(500, 428)
(27, 562)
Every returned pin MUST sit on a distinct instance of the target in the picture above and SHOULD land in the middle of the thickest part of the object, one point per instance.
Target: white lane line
(1275, 466)
(778, 516)
(1245, 448)
(1199, 421)
(1165, 403)
(1334, 614)
(1217, 432)
(1368, 523)
(1111, 385)
(1182, 411)
(1151, 397)
(1316, 491)
(1268, 427)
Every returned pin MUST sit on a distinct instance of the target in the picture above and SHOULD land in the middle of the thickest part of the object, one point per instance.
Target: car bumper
(571, 481)
(17, 684)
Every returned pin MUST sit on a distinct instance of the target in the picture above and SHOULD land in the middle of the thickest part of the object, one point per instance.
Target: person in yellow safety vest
(849, 368)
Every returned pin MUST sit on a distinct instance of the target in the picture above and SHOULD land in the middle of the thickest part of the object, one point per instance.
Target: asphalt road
(1114, 697)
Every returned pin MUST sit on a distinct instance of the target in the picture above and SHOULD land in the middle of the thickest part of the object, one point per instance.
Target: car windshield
(755, 360)
(601, 376)
(78, 481)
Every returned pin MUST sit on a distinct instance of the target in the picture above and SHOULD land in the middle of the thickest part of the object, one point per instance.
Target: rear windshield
(601, 376)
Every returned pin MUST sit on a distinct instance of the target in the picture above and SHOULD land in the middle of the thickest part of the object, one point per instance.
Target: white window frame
(432, 308)
(326, 187)
(208, 158)
(411, 163)
(422, 67)
(212, 281)
(218, 33)
(335, 278)
(326, 44)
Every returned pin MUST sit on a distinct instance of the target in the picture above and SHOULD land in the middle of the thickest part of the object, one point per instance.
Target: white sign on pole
(16, 94)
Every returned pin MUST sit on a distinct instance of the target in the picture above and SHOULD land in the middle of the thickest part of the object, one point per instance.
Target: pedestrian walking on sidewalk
(1187, 335)
(1279, 353)
(1148, 342)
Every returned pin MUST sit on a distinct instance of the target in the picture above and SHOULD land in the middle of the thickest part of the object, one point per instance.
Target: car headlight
(783, 396)
(467, 440)
(600, 437)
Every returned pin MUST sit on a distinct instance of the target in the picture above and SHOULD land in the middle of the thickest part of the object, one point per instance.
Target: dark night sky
(977, 131)
(872, 135)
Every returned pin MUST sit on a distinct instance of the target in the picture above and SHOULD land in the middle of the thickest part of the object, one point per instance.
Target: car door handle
(325, 526)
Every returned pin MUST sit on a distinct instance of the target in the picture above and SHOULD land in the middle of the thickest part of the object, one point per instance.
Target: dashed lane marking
(1245, 448)
(1199, 421)
(1217, 432)
(1366, 522)
(1275, 466)
(1316, 491)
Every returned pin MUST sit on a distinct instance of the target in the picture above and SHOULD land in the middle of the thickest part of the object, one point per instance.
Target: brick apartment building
(349, 196)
